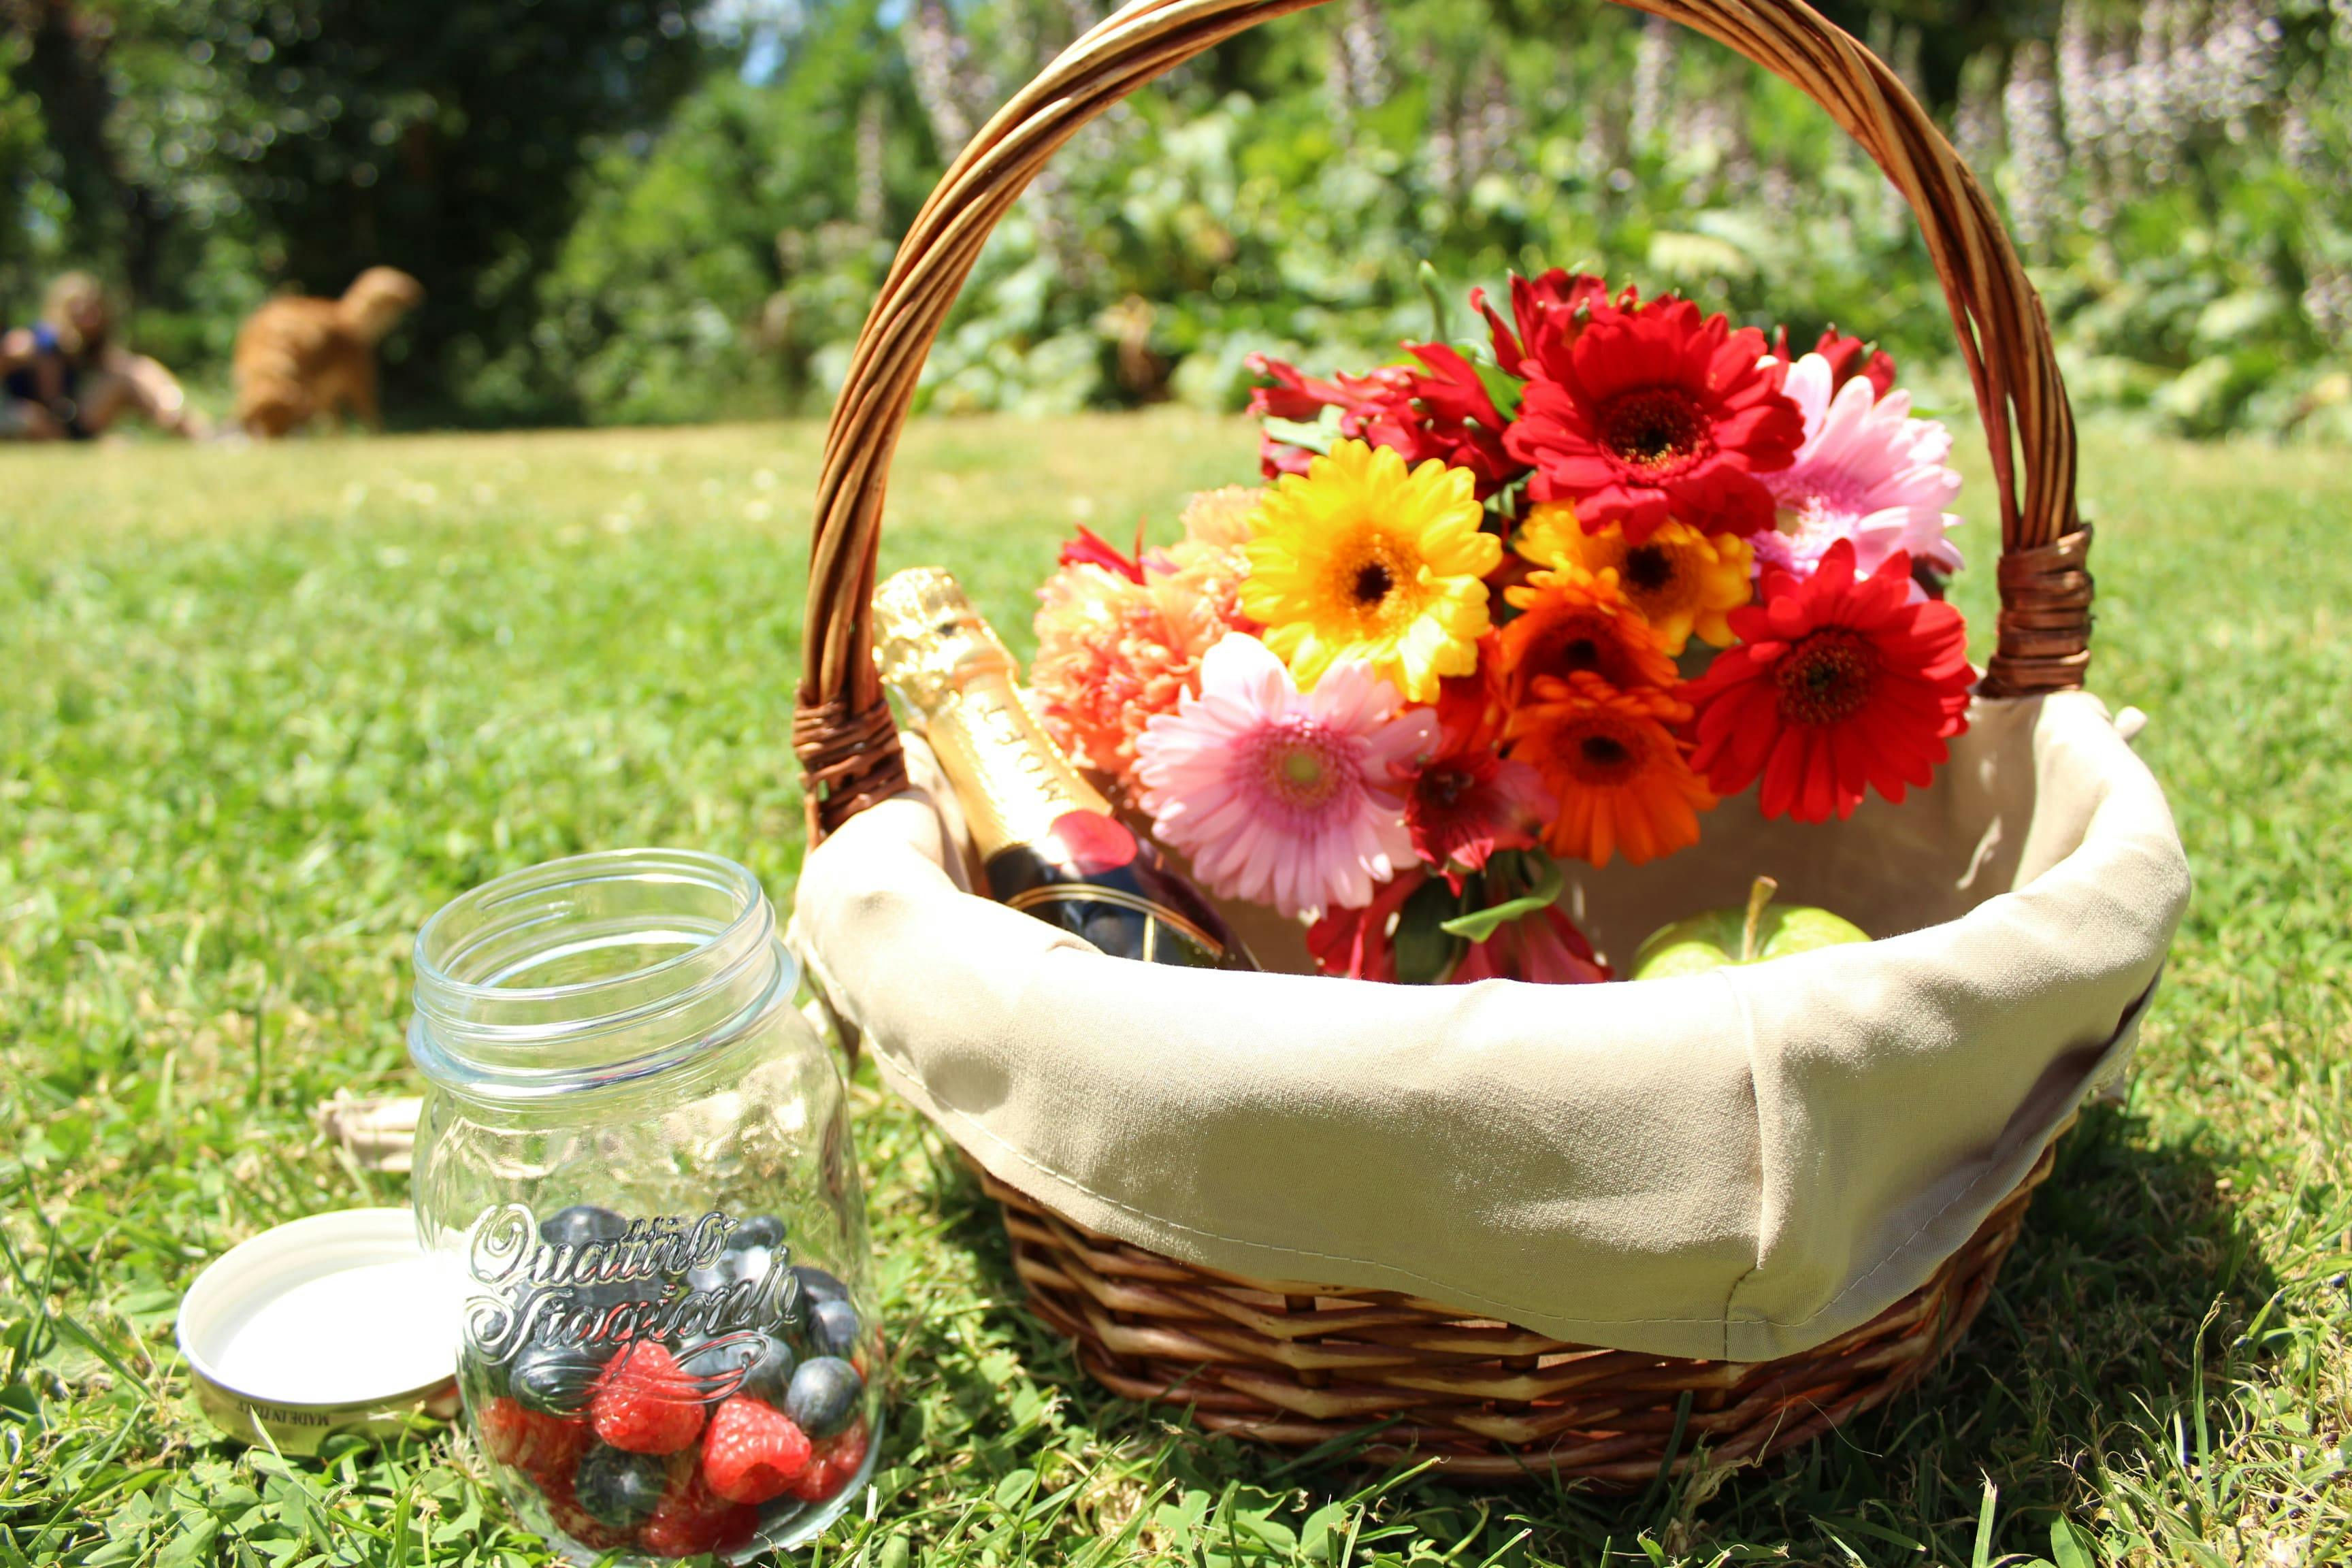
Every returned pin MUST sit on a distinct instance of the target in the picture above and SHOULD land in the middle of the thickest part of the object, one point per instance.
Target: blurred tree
(320, 137)
(667, 209)
(708, 267)
(28, 196)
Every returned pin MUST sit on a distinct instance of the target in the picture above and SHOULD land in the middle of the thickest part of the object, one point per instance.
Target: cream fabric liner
(1735, 1165)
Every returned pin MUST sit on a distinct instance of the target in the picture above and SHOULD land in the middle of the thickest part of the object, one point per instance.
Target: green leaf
(2068, 1547)
(1480, 924)
(192, 1546)
(1425, 949)
(1501, 384)
(1982, 1557)
(1015, 1489)
(73, 1330)
(1317, 437)
(1323, 1530)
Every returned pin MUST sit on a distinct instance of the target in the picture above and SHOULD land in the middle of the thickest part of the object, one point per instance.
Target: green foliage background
(668, 210)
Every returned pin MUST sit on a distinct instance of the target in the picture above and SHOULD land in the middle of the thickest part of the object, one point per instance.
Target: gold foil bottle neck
(928, 640)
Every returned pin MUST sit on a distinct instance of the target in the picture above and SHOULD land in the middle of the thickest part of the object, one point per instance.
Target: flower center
(1303, 766)
(1579, 640)
(1661, 429)
(1372, 578)
(1648, 568)
(1603, 752)
(1444, 787)
(1826, 678)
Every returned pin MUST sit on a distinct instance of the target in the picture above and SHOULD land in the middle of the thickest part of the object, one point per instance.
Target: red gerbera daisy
(1466, 801)
(1848, 357)
(1654, 410)
(1443, 412)
(1839, 685)
(1548, 311)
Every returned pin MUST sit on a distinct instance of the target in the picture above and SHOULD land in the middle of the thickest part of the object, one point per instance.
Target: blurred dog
(300, 358)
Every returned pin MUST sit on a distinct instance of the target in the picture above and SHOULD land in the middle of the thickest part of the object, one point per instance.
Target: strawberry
(831, 1466)
(534, 1443)
(752, 1451)
(643, 1404)
(692, 1519)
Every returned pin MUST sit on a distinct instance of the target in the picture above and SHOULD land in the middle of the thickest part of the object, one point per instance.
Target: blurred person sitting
(65, 378)
(298, 359)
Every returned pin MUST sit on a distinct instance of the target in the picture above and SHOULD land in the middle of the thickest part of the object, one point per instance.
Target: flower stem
(1759, 893)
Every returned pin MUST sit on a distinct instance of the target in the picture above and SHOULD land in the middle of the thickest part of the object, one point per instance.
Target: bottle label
(1013, 783)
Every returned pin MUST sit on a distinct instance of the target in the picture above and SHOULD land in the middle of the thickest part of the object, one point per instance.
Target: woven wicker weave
(1302, 1365)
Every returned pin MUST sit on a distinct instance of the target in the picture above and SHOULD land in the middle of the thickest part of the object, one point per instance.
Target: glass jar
(635, 1150)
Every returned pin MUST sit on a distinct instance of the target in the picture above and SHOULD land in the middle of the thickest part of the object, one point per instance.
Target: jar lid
(338, 1322)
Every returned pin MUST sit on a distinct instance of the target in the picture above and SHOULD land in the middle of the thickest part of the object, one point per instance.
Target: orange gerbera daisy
(1577, 620)
(1682, 581)
(1623, 780)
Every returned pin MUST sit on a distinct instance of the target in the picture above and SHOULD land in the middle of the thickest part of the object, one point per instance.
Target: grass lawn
(262, 711)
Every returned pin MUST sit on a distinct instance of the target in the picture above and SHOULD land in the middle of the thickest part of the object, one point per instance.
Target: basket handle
(843, 730)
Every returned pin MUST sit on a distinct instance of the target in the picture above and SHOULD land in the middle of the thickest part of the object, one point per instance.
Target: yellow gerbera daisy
(1682, 581)
(1357, 559)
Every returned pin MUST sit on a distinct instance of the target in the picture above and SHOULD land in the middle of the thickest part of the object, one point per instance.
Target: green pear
(1753, 935)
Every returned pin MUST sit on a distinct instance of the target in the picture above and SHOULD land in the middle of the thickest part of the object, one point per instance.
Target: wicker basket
(1301, 1364)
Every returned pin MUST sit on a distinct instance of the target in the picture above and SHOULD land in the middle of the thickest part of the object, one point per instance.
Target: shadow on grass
(2114, 1323)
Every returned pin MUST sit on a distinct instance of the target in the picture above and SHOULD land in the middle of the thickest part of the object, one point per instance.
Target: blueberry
(819, 1285)
(770, 1375)
(553, 1379)
(581, 1223)
(824, 1396)
(619, 1489)
(603, 1297)
(760, 1230)
(833, 1328)
(766, 1362)
(732, 1268)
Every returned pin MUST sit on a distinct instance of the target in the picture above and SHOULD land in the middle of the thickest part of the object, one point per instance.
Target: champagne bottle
(1048, 842)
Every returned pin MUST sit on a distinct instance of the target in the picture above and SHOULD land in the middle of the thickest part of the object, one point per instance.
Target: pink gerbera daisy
(1278, 796)
(1867, 471)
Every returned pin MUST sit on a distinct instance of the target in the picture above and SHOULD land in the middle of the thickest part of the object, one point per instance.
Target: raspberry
(831, 1465)
(752, 1451)
(535, 1443)
(643, 1404)
(692, 1519)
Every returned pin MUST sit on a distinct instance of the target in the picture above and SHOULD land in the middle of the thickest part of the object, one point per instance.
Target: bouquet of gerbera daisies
(1550, 593)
